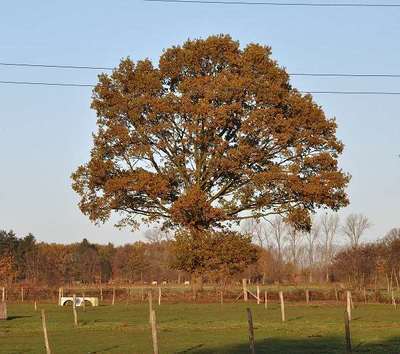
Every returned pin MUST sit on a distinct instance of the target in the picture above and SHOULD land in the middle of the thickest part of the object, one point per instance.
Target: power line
(372, 75)
(298, 4)
(56, 66)
(68, 84)
(39, 83)
(377, 93)
(91, 67)
(346, 75)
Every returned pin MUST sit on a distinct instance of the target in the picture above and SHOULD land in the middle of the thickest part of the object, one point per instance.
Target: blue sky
(45, 132)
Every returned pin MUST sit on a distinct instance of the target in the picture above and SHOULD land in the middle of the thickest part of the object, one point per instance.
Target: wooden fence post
(222, 297)
(388, 284)
(391, 280)
(113, 297)
(74, 310)
(282, 305)
(351, 301)
(251, 332)
(347, 332)
(307, 296)
(336, 296)
(22, 294)
(150, 296)
(258, 295)
(142, 294)
(365, 297)
(59, 296)
(266, 299)
(3, 311)
(46, 339)
(3, 294)
(101, 293)
(159, 296)
(35, 306)
(244, 283)
(153, 322)
(348, 297)
(83, 302)
(393, 300)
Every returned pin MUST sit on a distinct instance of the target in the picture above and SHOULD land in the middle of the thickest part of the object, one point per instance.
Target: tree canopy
(214, 134)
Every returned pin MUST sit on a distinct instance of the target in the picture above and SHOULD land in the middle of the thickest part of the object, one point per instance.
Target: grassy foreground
(202, 328)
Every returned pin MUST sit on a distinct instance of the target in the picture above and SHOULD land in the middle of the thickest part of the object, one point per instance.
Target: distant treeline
(25, 260)
(371, 264)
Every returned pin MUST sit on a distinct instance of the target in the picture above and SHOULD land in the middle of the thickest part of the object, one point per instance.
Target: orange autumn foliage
(7, 269)
(214, 134)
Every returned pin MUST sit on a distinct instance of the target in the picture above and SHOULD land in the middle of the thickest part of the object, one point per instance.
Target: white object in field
(154, 282)
(94, 301)
(164, 282)
(187, 282)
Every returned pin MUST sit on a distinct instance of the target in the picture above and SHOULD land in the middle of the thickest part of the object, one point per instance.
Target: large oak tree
(214, 134)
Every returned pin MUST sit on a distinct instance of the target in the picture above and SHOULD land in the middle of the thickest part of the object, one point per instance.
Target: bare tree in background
(157, 234)
(259, 234)
(294, 238)
(354, 227)
(256, 229)
(312, 238)
(329, 228)
(392, 235)
(277, 231)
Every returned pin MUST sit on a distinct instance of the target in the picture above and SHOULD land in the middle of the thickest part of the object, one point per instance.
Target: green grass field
(202, 328)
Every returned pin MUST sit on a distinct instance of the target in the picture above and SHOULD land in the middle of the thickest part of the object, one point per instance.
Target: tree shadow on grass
(295, 318)
(313, 345)
(191, 349)
(105, 350)
(10, 318)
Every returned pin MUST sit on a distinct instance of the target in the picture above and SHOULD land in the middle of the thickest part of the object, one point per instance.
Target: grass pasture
(201, 328)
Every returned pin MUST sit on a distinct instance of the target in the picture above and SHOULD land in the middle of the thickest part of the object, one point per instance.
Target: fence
(177, 294)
